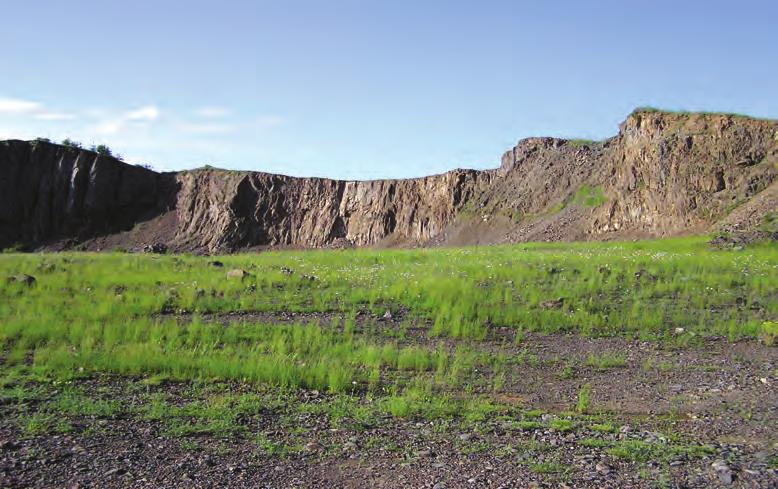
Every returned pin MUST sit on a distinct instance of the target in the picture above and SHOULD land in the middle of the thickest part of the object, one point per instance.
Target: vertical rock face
(676, 172)
(228, 210)
(663, 174)
(50, 192)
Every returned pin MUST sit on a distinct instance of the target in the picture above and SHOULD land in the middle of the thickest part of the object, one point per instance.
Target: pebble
(723, 471)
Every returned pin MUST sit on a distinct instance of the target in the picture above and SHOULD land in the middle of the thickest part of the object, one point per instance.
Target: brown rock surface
(663, 174)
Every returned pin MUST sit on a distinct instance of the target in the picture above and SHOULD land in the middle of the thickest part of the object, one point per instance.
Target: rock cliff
(663, 174)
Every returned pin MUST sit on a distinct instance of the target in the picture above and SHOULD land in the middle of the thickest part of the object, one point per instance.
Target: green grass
(582, 142)
(769, 222)
(604, 428)
(649, 110)
(588, 196)
(583, 398)
(641, 451)
(606, 361)
(95, 314)
(563, 425)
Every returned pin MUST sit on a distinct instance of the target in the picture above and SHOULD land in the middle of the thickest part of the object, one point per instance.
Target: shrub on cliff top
(102, 149)
(71, 143)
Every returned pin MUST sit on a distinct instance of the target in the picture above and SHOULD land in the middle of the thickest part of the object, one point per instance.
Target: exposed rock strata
(663, 174)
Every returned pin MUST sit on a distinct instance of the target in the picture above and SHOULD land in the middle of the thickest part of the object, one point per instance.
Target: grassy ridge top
(681, 112)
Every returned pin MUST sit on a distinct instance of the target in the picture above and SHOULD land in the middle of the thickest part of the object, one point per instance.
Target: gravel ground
(718, 394)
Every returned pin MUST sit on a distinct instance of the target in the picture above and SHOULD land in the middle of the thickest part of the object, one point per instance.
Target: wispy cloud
(19, 106)
(55, 116)
(148, 132)
(147, 113)
(112, 125)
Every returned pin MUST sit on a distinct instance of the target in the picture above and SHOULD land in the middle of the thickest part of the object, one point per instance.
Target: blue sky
(369, 89)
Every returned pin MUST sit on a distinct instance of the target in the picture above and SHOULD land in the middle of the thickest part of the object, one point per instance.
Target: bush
(102, 149)
(71, 143)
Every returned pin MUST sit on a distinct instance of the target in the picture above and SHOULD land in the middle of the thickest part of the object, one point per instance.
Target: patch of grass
(42, 423)
(641, 451)
(604, 428)
(769, 222)
(76, 403)
(650, 110)
(606, 361)
(582, 142)
(583, 398)
(567, 372)
(588, 196)
(563, 425)
(272, 449)
(768, 333)
(533, 413)
(529, 425)
(594, 443)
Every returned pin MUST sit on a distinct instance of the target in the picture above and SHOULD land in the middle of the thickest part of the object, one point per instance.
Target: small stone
(238, 273)
(465, 436)
(602, 468)
(723, 471)
(762, 455)
(157, 248)
(553, 303)
(349, 445)
(387, 315)
(23, 279)
(10, 445)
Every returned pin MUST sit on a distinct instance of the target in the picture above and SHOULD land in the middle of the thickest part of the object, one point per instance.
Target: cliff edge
(663, 174)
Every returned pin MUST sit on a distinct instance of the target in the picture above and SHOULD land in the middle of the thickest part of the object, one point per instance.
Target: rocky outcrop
(662, 174)
(672, 173)
(51, 193)
(218, 209)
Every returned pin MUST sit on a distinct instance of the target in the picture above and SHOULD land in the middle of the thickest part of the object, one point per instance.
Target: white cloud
(147, 113)
(18, 106)
(212, 112)
(55, 116)
(108, 127)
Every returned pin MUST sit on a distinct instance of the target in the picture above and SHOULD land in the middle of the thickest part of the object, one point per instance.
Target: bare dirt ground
(714, 394)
